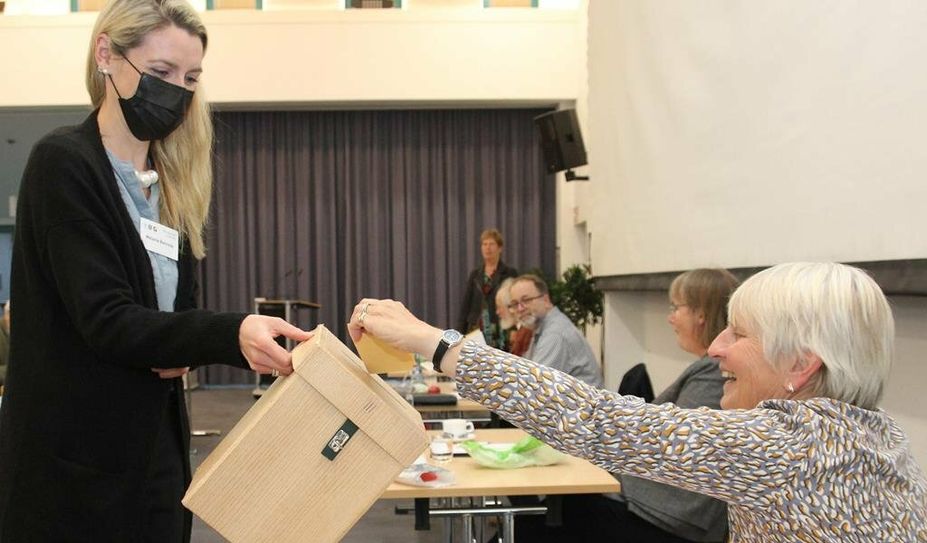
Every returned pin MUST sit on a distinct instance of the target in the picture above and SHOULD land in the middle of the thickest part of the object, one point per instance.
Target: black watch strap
(448, 340)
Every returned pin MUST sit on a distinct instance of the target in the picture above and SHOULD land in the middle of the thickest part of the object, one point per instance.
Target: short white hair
(504, 288)
(832, 310)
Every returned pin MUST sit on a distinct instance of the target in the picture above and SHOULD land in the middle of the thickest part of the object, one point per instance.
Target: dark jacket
(473, 297)
(82, 408)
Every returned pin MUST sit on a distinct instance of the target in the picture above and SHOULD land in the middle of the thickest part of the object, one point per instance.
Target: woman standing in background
(478, 310)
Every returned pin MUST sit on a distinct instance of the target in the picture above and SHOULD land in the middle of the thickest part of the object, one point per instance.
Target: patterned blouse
(791, 471)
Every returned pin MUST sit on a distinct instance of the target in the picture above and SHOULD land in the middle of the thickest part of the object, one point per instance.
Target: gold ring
(362, 316)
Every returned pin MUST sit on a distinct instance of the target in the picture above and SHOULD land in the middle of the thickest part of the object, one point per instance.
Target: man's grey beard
(529, 321)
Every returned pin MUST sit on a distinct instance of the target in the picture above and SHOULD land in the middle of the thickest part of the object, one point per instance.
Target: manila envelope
(382, 358)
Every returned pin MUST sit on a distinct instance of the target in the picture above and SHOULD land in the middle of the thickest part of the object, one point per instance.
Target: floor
(220, 409)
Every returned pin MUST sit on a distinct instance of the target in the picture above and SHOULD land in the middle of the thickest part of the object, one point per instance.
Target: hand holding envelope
(393, 326)
(382, 358)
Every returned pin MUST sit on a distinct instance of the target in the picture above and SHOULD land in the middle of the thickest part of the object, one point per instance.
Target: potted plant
(576, 295)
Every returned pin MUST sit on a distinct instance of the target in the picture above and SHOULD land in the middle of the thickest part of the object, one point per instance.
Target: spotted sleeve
(739, 456)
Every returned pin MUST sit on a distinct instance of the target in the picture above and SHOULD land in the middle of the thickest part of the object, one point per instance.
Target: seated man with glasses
(557, 343)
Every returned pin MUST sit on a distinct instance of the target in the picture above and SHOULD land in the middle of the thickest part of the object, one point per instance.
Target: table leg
(449, 530)
(508, 527)
(554, 511)
(422, 518)
(467, 528)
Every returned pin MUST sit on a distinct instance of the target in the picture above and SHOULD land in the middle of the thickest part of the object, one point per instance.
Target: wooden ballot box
(312, 455)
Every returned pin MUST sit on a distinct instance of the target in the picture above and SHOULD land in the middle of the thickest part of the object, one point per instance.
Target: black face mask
(156, 109)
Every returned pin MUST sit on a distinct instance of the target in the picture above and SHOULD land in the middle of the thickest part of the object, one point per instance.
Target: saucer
(461, 438)
(412, 476)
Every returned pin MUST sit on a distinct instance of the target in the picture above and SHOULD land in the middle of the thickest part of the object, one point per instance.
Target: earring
(102, 70)
(790, 388)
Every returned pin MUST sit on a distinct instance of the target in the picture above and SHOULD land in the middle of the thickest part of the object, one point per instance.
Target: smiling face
(528, 303)
(749, 377)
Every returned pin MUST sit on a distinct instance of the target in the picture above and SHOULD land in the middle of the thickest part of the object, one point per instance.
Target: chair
(636, 382)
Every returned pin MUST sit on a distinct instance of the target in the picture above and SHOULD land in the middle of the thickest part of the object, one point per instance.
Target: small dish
(412, 476)
(460, 439)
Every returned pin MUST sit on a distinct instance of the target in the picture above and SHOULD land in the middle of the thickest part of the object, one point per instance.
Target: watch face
(452, 336)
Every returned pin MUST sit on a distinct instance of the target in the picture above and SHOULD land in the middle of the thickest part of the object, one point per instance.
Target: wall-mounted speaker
(561, 140)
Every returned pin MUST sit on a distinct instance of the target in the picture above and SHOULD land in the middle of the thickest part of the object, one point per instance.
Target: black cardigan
(472, 305)
(82, 407)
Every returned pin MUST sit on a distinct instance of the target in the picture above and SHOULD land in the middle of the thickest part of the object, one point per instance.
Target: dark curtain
(333, 206)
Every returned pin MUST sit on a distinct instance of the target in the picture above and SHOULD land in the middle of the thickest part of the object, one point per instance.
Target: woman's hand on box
(256, 338)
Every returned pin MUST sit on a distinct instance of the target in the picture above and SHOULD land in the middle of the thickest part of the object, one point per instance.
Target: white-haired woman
(800, 451)
(94, 439)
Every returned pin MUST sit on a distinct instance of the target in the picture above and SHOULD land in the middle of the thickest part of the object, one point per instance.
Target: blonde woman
(94, 441)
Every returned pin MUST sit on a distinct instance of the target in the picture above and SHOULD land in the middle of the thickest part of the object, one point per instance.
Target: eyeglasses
(523, 302)
(674, 307)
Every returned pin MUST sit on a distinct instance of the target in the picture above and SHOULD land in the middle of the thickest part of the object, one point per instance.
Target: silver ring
(274, 373)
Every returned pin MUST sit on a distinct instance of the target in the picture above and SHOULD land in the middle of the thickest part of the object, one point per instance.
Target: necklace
(147, 178)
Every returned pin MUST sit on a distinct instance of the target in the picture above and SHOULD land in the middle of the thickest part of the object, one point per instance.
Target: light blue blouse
(163, 268)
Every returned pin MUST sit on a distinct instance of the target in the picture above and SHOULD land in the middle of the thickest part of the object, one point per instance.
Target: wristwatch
(449, 338)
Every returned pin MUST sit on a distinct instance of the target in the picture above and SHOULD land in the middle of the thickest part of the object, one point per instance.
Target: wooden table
(570, 476)
(463, 405)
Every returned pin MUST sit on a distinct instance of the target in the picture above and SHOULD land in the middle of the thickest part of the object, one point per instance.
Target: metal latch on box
(337, 442)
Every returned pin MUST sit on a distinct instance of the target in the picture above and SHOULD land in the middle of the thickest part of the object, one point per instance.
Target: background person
(478, 309)
(94, 436)
(518, 337)
(507, 321)
(556, 343)
(799, 452)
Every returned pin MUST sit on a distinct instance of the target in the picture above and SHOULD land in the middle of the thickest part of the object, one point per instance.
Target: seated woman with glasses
(647, 510)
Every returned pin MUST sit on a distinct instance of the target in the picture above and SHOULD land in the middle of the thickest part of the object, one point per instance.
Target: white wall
(340, 58)
(904, 397)
(749, 133)
(681, 96)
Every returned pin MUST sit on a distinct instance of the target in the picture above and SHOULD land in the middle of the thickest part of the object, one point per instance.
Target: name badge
(160, 239)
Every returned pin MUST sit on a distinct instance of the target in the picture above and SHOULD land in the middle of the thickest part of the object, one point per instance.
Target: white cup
(457, 428)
